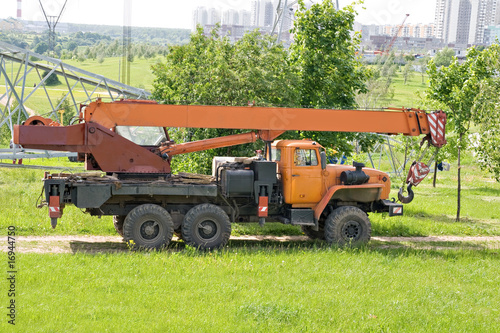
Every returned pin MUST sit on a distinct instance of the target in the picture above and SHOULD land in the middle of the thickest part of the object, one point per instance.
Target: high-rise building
(200, 17)
(464, 21)
(204, 16)
(213, 16)
(231, 17)
(245, 18)
(263, 12)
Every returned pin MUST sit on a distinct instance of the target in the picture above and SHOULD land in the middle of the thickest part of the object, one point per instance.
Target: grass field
(408, 95)
(289, 288)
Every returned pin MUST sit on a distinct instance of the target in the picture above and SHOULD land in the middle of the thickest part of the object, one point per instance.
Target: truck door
(306, 178)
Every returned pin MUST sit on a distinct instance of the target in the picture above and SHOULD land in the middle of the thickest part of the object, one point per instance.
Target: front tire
(347, 226)
(206, 227)
(148, 227)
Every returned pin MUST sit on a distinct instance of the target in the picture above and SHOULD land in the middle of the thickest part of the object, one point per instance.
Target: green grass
(20, 191)
(262, 289)
(408, 95)
(433, 211)
(141, 75)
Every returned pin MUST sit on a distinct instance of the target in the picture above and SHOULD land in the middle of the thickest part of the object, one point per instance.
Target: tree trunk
(459, 188)
(435, 172)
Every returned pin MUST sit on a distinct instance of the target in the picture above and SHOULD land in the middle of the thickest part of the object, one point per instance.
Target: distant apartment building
(205, 16)
(492, 35)
(408, 30)
(415, 44)
(463, 22)
(263, 15)
(409, 37)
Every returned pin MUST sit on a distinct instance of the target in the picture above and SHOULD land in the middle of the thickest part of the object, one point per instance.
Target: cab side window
(305, 157)
(275, 154)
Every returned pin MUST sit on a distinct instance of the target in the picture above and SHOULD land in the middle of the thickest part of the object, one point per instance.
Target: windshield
(142, 135)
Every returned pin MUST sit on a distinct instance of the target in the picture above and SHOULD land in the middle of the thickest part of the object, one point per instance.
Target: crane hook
(408, 198)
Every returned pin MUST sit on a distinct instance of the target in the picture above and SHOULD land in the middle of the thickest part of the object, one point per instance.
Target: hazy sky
(178, 13)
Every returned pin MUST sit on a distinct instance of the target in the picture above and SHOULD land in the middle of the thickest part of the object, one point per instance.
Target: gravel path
(98, 244)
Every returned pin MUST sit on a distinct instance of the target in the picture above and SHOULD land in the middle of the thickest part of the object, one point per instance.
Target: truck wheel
(313, 234)
(206, 227)
(347, 226)
(148, 227)
(118, 223)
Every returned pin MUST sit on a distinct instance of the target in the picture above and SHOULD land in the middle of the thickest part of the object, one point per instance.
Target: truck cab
(299, 167)
(307, 179)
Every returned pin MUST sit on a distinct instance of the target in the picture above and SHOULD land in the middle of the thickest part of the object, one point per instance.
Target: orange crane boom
(139, 113)
(107, 151)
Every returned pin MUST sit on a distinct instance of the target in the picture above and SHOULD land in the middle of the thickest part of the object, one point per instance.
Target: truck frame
(292, 183)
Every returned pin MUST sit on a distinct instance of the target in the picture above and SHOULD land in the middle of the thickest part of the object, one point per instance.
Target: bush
(52, 80)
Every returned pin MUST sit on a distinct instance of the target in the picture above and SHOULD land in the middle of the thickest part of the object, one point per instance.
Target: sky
(178, 13)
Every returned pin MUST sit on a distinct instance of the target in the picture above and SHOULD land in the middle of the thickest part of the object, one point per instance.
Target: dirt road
(4, 100)
(110, 244)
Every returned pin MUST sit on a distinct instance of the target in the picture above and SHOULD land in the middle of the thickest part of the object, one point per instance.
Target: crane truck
(292, 183)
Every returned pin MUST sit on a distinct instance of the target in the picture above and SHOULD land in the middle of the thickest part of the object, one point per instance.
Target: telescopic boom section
(107, 151)
(139, 113)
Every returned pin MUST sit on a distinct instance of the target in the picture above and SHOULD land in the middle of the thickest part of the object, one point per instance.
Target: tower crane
(391, 43)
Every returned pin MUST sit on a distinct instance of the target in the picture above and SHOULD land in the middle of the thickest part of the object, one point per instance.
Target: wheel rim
(207, 230)
(150, 230)
(351, 230)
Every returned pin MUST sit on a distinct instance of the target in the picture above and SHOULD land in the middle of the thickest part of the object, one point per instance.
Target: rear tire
(347, 226)
(148, 227)
(206, 227)
(118, 221)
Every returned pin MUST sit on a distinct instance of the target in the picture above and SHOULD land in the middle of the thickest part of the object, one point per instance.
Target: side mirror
(322, 156)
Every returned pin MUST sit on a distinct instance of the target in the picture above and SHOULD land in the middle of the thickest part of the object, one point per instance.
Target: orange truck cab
(309, 182)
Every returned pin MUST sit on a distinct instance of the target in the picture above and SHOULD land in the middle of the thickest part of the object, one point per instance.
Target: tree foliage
(325, 52)
(487, 114)
(379, 85)
(469, 93)
(52, 79)
(319, 70)
(444, 57)
(330, 73)
(210, 70)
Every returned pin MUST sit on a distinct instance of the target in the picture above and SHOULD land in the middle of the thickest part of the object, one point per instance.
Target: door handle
(295, 175)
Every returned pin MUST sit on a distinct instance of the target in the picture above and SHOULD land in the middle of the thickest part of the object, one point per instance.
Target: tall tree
(487, 115)
(211, 70)
(458, 88)
(324, 49)
(331, 75)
